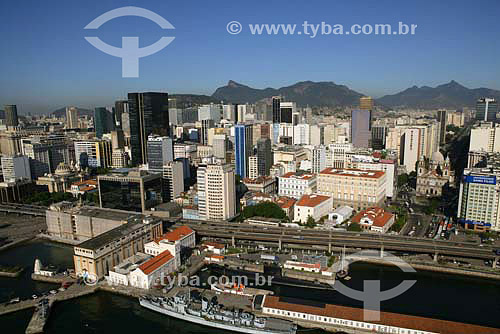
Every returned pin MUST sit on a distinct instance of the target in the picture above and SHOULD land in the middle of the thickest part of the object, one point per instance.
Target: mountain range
(304, 93)
(449, 95)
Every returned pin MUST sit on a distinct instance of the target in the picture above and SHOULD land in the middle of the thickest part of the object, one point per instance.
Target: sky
(45, 62)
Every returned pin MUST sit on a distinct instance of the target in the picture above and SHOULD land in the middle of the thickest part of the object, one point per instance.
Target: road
(327, 239)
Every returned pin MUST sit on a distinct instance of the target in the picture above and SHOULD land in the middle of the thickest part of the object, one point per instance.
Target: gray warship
(211, 313)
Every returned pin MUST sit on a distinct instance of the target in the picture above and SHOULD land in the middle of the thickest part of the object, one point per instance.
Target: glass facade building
(148, 114)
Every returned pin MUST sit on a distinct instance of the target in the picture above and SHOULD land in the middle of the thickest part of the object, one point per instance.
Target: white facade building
(295, 185)
(314, 205)
(16, 167)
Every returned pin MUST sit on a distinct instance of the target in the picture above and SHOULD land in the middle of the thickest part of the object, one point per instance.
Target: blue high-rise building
(243, 148)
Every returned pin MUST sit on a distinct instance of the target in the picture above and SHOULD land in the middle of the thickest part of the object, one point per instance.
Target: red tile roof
(285, 202)
(377, 215)
(372, 174)
(159, 260)
(386, 318)
(298, 176)
(176, 234)
(312, 200)
(302, 264)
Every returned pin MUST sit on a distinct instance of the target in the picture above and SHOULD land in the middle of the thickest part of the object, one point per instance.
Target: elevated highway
(326, 240)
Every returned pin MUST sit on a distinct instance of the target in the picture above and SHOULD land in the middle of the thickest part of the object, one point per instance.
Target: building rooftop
(285, 202)
(295, 175)
(177, 234)
(377, 215)
(312, 200)
(259, 180)
(111, 235)
(386, 318)
(353, 172)
(156, 262)
(131, 263)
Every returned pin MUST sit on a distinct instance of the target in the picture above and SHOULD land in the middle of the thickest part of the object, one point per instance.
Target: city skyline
(57, 67)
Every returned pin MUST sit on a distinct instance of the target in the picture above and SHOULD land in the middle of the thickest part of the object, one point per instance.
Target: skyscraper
(366, 103)
(287, 110)
(219, 145)
(205, 125)
(71, 118)
(148, 114)
(103, 121)
(276, 109)
(442, 117)
(173, 180)
(216, 191)
(361, 127)
(486, 110)
(265, 156)
(243, 148)
(121, 107)
(11, 115)
(160, 152)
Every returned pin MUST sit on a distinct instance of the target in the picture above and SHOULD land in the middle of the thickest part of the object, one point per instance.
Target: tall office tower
(133, 190)
(318, 159)
(173, 180)
(94, 153)
(253, 167)
(265, 130)
(103, 121)
(16, 167)
(243, 148)
(121, 107)
(209, 111)
(219, 145)
(206, 124)
(409, 150)
(378, 137)
(216, 191)
(117, 139)
(125, 123)
(361, 128)
(148, 114)
(366, 103)
(160, 152)
(172, 103)
(11, 115)
(71, 118)
(301, 134)
(276, 109)
(486, 110)
(265, 156)
(442, 117)
(287, 110)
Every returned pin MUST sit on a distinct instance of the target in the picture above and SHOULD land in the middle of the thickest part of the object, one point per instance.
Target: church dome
(437, 157)
(63, 169)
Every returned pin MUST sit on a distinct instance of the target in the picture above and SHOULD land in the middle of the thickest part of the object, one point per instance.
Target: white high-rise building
(71, 118)
(485, 137)
(16, 167)
(253, 167)
(301, 134)
(216, 191)
(173, 177)
(318, 159)
(219, 145)
(479, 200)
(209, 111)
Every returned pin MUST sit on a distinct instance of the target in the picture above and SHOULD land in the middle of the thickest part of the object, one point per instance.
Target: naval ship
(212, 314)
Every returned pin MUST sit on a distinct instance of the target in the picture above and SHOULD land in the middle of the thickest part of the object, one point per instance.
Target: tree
(264, 209)
(354, 227)
(402, 179)
(311, 223)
